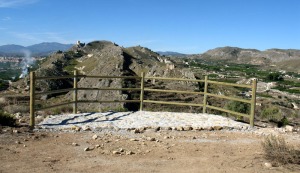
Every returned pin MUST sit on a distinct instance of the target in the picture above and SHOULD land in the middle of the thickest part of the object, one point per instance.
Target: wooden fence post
(32, 100)
(142, 91)
(205, 94)
(75, 93)
(253, 102)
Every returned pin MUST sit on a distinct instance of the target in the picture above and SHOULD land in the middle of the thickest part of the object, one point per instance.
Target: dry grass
(16, 108)
(279, 153)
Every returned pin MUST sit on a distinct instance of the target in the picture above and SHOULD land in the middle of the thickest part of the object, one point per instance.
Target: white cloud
(6, 19)
(15, 3)
(26, 36)
(33, 38)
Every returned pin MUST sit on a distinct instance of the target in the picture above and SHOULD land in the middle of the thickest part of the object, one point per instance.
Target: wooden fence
(142, 78)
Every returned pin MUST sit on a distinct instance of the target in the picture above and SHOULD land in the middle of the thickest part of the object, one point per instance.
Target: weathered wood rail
(142, 78)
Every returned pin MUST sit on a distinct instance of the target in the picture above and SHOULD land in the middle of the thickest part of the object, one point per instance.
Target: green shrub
(7, 119)
(274, 77)
(271, 113)
(240, 107)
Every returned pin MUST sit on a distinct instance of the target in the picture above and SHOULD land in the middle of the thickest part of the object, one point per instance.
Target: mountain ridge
(40, 49)
(250, 56)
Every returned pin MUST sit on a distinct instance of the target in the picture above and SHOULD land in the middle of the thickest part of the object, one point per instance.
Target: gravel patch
(140, 119)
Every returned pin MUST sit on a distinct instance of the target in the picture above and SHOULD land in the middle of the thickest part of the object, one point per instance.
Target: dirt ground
(125, 151)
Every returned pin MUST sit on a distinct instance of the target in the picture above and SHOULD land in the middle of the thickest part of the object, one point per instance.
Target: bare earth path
(125, 151)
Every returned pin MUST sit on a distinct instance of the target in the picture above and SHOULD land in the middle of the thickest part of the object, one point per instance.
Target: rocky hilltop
(108, 59)
(250, 56)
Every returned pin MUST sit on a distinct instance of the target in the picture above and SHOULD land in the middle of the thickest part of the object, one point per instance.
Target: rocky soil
(152, 150)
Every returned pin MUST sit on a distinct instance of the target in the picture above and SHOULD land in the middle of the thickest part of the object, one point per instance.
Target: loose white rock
(268, 165)
(129, 153)
(116, 152)
(288, 128)
(86, 128)
(75, 144)
(150, 139)
(95, 137)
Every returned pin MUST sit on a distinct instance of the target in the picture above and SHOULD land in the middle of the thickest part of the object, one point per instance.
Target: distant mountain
(47, 48)
(41, 49)
(12, 49)
(169, 53)
(250, 56)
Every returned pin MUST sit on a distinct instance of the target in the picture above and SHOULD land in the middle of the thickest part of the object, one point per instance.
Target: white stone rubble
(140, 119)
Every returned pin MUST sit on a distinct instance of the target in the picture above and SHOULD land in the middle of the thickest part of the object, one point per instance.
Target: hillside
(251, 56)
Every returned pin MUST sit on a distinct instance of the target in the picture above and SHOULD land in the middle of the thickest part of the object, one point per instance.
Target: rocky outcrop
(108, 59)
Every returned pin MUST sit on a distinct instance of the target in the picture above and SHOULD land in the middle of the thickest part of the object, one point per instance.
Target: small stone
(86, 149)
(150, 139)
(18, 142)
(133, 139)
(18, 115)
(95, 137)
(75, 144)
(268, 165)
(179, 128)
(76, 128)
(97, 146)
(217, 127)
(129, 153)
(86, 128)
(136, 131)
(188, 128)
(166, 137)
(193, 137)
(21, 121)
(24, 145)
(209, 128)
(147, 151)
(121, 149)
(288, 128)
(16, 131)
(156, 129)
(116, 152)
(142, 130)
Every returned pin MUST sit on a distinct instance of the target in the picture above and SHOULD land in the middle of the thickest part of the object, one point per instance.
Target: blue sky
(187, 26)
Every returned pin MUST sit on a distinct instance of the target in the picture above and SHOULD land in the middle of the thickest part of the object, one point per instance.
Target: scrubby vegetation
(238, 107)
(7, 119)
(271, 113)
(279, 153)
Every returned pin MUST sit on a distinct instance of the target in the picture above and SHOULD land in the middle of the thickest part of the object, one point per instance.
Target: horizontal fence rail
(142, 89)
